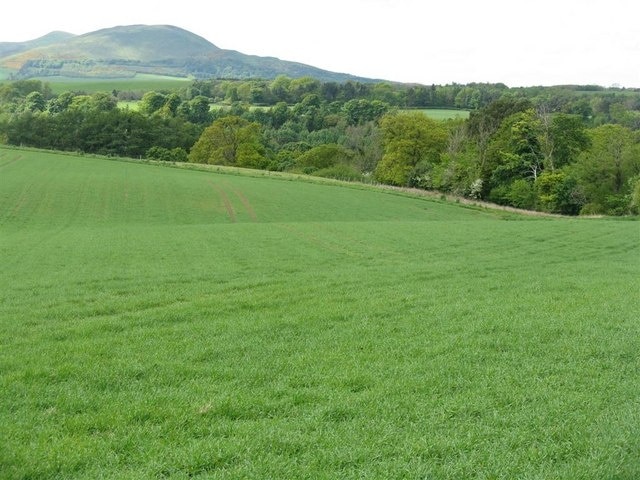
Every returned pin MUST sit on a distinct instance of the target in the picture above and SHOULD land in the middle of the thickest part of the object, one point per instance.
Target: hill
(124, 51)
(13, 48)
(166, 323)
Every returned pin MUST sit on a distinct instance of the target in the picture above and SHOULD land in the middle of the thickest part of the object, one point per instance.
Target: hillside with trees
(570, 150)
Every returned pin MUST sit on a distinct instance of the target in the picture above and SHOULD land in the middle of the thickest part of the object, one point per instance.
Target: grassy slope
(157, 322)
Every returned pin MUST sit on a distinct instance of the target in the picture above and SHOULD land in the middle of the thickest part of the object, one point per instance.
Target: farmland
(442, 113)
(139, 83)
(160, 322)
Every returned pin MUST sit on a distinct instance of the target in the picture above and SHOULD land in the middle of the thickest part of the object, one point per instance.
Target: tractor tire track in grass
(245, 203)
(10, 161)
(27, 202)
(319, 242)
(225, 201)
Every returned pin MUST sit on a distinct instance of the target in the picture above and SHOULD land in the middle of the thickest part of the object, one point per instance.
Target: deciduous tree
(230, 141)
(410, 140)
(151, 102)
(606, 169)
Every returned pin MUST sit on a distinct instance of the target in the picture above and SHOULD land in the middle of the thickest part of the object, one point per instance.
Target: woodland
(572, 150)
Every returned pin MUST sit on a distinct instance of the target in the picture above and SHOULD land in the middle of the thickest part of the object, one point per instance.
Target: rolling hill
(13, 48)
(125, 51)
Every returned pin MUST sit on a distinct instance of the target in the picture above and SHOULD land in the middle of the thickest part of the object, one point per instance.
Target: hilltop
(125, 51)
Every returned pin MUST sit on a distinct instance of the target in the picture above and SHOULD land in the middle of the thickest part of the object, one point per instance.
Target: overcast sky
(546, 42)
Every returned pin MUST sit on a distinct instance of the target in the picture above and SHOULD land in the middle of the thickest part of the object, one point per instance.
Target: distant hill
(12, 48)
(124, 51)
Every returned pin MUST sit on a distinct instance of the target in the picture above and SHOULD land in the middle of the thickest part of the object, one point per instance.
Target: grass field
(442, 113)
(170, 323)
(133, 105)
(141, 82)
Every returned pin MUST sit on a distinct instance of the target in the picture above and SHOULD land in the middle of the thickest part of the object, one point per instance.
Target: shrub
(340, 172)
(522, 194)
(323, 157)
(165, 155)
(591, 209)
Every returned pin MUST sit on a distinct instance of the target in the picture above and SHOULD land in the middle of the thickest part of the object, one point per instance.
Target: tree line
(569, 150)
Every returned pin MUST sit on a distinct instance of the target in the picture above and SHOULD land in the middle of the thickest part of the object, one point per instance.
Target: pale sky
(542, 42)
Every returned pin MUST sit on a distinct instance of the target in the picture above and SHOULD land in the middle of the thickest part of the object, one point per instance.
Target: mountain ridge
(126, 50)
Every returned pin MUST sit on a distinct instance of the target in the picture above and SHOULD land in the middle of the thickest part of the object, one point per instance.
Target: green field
(441, 113)
(141, 82)
(159, 322)
(133, 105)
